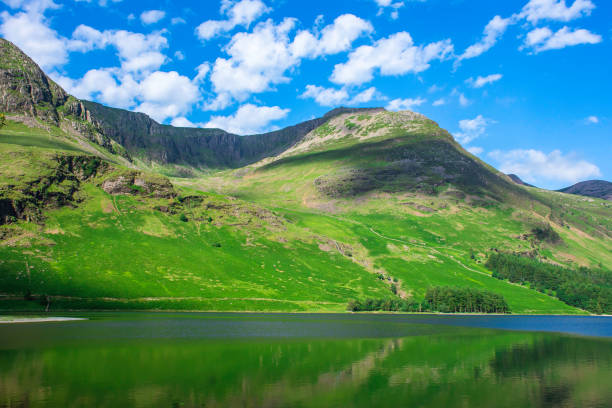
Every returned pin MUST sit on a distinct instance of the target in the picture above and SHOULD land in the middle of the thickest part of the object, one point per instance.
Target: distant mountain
(591, 188)
(518, 180)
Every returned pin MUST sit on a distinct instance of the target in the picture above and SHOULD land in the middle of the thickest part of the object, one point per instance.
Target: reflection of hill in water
(469, 367)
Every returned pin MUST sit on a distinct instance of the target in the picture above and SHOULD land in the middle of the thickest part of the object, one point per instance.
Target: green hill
(357, 204)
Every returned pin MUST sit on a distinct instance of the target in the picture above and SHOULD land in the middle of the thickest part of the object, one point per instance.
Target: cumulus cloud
(238, 13)
(152, 16)
(161, 95)
(536, 10)
(332, 39)
(472, 129)
(394, 55)
(177, 20)
(260, 59)
(543, 39)
(404, 104)
(248, 119)
(535, 166)
(108, 86)
(335, 97)
(167, 95)
(479, 82)
(325, 96)
(137, 52)
(491, 34)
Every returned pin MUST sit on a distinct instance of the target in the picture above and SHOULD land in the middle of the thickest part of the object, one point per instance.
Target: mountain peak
(24, 87)
(591, 188)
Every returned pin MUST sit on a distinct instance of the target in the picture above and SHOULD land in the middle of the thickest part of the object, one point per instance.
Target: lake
(307, 360)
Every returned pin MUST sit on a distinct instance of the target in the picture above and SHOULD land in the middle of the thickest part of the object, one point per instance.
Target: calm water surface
(307, 360)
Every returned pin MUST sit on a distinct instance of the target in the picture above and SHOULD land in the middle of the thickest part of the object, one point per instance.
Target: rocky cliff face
(591, 188)
(25, 91)
(24, 88)
(144, 137)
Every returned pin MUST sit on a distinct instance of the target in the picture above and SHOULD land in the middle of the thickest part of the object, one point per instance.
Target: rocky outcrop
(55, 186)
(24, 88)
(138, 183)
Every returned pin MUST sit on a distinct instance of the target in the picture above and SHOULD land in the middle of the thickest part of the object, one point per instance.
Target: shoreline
(23, 313)
(22, 319)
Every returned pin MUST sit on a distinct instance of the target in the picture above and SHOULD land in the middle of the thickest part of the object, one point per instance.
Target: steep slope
(591, 188)
(426, 210)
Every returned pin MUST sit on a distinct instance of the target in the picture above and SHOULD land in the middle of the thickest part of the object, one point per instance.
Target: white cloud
(439, 102)
(479, 82)
(167, 95)
(137, 52)
(463, 101)
(332, 39)
(243, 13)
(152, 16)
(366, 96)
(543, 39)
(394, 6)
(472, 129)
(105, 85)
(492, 33)
(101, 3)
(325, 96)
(535, 166)
(257, 61)
(248, 119)
(161, 95)
(203, 70)
(177, 20)
(592, 120)
(335, 97)
(179, 55)
(394, 55)
(260, 59)
(536, 10)
(475, 150)
(182, 121)
(404, 104)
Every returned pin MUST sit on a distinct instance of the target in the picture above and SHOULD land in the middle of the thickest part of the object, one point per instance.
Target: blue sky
(523, 84)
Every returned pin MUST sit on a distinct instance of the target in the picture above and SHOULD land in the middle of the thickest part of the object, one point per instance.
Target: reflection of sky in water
(278, 360)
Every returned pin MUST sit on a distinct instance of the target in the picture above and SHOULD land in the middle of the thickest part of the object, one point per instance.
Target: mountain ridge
(591, 188)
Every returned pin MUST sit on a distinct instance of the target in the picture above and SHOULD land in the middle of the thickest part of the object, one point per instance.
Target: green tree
(2, 120)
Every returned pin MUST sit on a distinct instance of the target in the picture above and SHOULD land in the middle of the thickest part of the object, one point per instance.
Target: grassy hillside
(270, 237)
